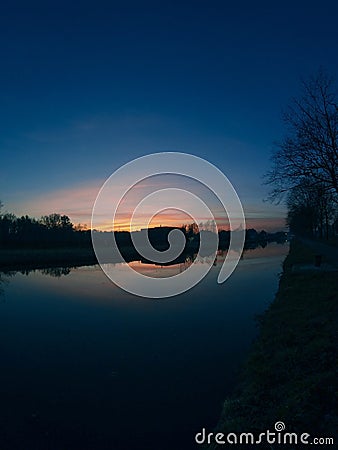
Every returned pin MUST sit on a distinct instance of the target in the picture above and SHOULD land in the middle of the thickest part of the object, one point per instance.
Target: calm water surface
(85, 365)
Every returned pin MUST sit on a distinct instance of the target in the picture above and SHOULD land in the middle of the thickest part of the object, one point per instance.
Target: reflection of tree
(1, 287)
(51, 271)
(56, 271)
(3, 282)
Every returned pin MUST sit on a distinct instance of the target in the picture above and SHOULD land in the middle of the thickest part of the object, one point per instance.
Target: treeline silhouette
(56, 231)
(304, 170)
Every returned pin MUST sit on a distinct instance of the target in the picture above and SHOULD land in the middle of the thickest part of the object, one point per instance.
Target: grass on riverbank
(291, 372)
(332, 241)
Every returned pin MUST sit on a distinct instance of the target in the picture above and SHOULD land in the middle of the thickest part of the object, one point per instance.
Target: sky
(89, 86)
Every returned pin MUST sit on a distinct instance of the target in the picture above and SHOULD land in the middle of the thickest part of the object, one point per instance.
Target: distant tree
(311, 209)
(251, 234)
(263, 235)
(310, 147)
(51, 221)
(56, 221)
(191, 229)
(81, 227)
(50, 231)
(7, 228)
(66, 224)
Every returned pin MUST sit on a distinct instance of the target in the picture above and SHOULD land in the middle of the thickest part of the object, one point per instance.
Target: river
(84, 365)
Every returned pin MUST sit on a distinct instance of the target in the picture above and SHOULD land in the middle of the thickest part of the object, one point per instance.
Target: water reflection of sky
(88, 283)
(78, 346)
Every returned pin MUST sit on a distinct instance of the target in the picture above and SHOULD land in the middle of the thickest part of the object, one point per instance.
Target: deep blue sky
(85, 88)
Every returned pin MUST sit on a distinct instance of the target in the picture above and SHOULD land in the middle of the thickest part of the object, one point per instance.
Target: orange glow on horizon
(269, 224)
(168, 217)
(77, 203)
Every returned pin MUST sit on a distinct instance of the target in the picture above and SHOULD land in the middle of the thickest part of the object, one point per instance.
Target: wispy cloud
(77, 202)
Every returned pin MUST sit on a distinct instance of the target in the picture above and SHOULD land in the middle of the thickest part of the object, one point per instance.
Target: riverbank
(23, 258)
(34, 258)
(290, 374)
(31, 258)
(73, 256)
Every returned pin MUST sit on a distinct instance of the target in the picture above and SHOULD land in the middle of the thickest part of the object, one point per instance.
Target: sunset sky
(86, 88)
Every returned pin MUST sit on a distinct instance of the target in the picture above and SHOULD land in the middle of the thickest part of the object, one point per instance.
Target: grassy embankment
(332, 241)
(291, 372)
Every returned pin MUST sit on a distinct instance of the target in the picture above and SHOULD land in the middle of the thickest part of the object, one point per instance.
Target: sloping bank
(291, 372)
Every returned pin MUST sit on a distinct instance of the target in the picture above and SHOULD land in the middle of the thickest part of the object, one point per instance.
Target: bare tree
(310, 147)
(56, 221)
(311, 209)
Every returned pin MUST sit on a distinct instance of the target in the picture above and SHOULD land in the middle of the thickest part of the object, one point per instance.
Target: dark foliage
(309, 149)
(50, 231)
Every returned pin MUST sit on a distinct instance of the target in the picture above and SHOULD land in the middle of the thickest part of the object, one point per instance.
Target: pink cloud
(77, 203)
